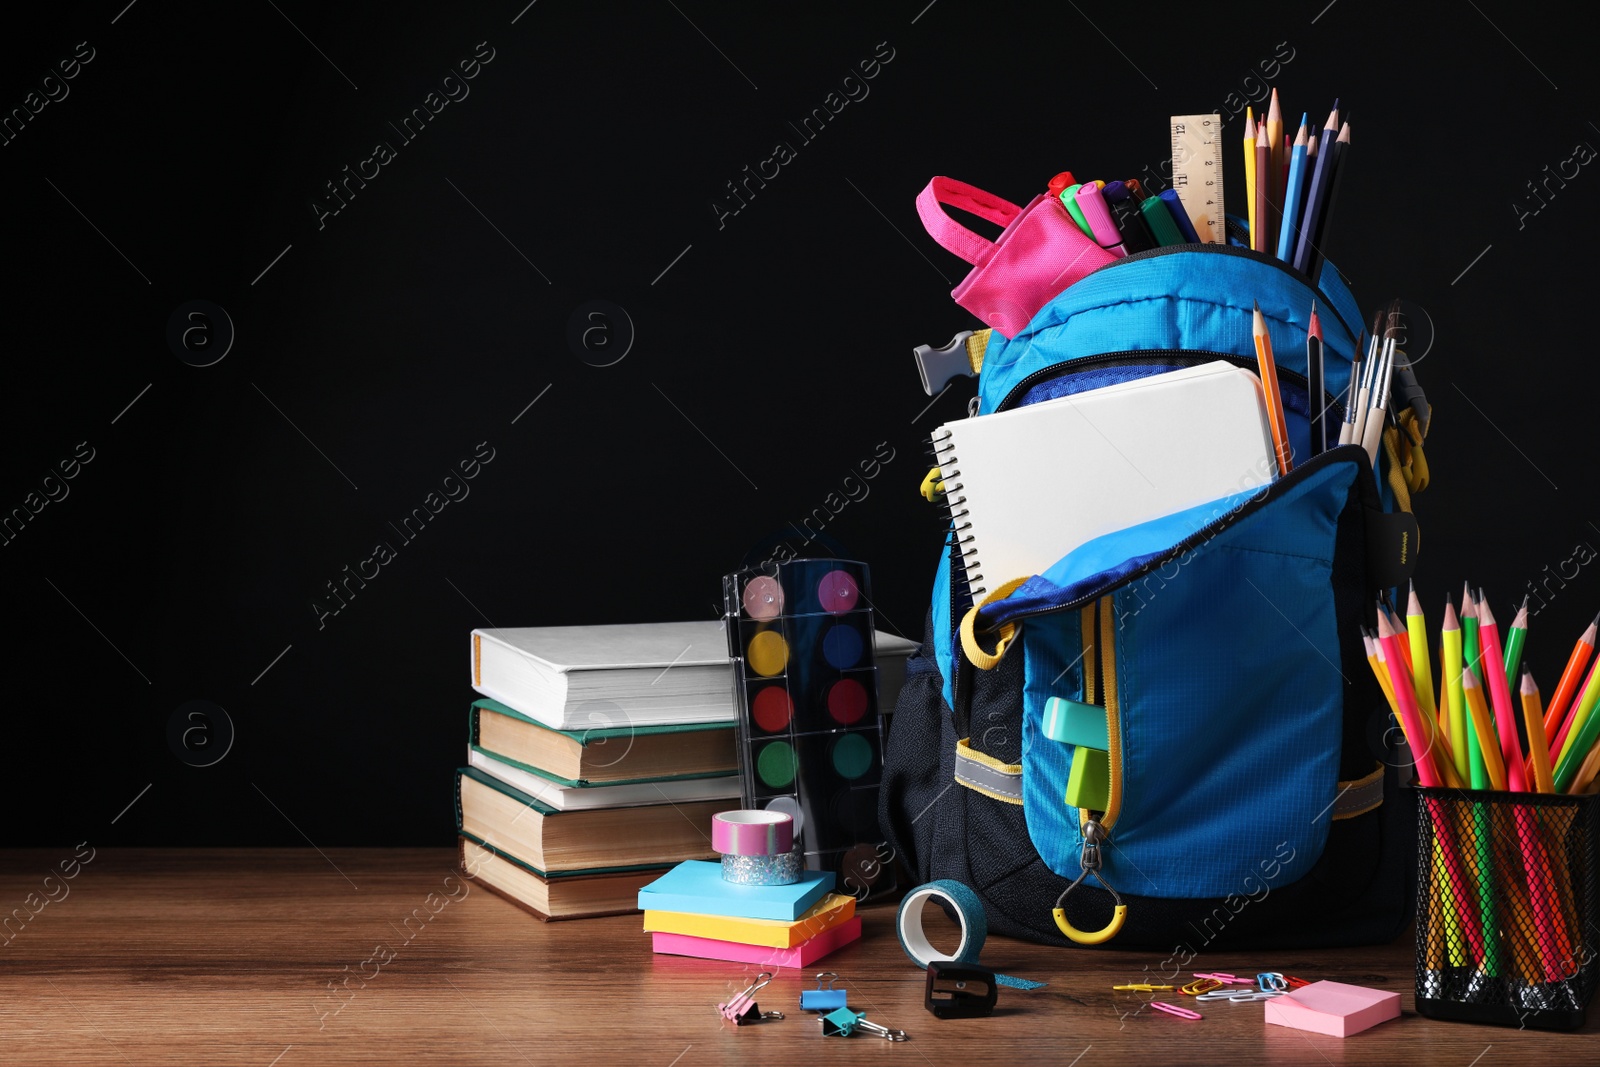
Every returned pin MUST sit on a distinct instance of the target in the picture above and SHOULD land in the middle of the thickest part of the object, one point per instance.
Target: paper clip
(1217, 994)
(741, 1010)
(1245, 996)
(1295, 983)
(1172, 1009)
(1141, 987)
(1272, 982)
(1225, 978)
(1201, 985)
(843, 1022)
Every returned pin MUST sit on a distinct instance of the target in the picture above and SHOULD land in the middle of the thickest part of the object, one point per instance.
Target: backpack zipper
(1351, 453)
(1185, 357)
(1236, 250)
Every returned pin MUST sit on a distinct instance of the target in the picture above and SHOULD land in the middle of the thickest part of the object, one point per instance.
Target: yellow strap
(988, 661)
(976, 344)
(1086, 625)
(932, 485)
(1408, 465)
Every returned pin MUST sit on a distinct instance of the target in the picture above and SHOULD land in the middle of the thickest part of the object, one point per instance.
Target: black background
(772, 353)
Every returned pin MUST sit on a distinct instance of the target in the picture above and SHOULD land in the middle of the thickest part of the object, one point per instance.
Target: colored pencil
(1293, 195)
(1567, 688)
(1469, 656)
(1588, 773)
(1421, 666)
(1469, 631)
(1371, 644)
(1250, 172)
(1494, 669)
(1261, 232)
(1487, 736)
(1418, 736)
(1336, 169)
(1274, 126)
(1582, 740)
(1582, 712)
(1274, 396)
(1317, 193)
(1538, 747)
(1316, 384)
(1456, 706)
(1516, 637)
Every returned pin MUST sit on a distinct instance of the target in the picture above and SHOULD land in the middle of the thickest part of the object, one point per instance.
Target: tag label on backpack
(1392, 538)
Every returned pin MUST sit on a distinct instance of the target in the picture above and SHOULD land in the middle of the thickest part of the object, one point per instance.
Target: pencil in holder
(1508, 907)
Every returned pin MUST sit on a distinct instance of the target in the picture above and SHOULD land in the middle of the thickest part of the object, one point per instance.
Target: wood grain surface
(293, 957)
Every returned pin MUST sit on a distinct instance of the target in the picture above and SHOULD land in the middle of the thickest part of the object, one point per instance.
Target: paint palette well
(800, 633)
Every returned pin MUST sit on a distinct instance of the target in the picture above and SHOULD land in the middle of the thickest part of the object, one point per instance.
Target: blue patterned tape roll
(969, 913)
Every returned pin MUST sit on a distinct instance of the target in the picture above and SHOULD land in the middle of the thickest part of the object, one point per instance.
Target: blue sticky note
(697, 887)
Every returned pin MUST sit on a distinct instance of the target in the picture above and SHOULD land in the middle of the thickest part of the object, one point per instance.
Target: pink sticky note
(1333, 1008)
(802, 955)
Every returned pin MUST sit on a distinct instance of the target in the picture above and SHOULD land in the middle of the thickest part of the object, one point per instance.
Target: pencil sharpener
(960, 990)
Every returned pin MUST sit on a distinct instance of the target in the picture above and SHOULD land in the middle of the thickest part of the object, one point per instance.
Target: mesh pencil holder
(1508, 907)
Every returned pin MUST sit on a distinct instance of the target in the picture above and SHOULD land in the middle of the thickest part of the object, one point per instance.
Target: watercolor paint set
(800, 633)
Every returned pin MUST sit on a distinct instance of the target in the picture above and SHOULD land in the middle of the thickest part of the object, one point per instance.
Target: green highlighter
(1089, 784)
(1069, 200)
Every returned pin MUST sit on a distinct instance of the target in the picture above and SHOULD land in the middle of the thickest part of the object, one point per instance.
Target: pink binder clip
(741, 1009)
(1173, 1009)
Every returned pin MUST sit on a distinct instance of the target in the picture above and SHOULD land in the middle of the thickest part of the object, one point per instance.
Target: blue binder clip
(820, 999)
(843, 1022)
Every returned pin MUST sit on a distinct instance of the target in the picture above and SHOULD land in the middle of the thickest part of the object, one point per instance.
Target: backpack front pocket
(1216, 657)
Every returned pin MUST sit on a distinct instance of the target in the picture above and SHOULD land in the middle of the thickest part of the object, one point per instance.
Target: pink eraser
(1333, 1008)
(802, 955)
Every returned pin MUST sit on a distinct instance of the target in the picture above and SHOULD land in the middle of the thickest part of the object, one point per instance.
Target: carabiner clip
(1090, 861)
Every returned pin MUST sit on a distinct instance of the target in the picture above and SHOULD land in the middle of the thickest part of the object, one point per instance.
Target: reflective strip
(987, 775)
(1360, 796)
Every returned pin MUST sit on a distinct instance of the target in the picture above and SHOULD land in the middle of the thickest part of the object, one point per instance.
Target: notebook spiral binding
(969, 582)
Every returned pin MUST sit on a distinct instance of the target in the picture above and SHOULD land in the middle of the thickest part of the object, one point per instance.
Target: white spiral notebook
(1025, 487)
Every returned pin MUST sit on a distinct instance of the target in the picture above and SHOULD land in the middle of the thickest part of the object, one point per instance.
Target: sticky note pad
(1074, 723)
(1089, 784)
(697, 887)
(804, 954)
(835, 909)
(1333, 1008)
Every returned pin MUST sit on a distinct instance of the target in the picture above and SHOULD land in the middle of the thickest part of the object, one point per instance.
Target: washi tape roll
(969, 913)
(752, 833)
(780, 869)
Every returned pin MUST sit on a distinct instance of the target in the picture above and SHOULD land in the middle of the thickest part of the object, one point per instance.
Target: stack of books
(597, 756)
(692, 911)
(595, 760)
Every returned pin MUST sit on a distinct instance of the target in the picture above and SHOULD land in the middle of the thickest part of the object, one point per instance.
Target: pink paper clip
(1225, 978)
(1173, 1009)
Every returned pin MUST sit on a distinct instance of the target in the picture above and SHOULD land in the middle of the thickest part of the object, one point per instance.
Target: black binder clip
(741, 1009)
(959, 990)
(823, 999)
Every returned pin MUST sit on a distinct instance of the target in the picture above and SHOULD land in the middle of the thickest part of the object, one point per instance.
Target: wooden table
(293, 957)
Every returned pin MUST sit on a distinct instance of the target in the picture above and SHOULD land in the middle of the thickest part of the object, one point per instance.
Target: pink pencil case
(802, 955)
(1040, 252)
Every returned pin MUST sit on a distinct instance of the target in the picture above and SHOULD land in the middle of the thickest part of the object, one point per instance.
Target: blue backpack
(1255, 793)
